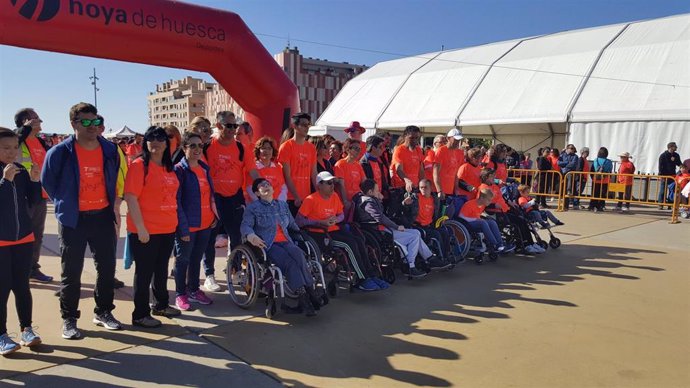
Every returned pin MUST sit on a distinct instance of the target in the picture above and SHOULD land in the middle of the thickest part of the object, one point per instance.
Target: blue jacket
(60, 178)
(189, 197)
(568, 162)
(260, 218)
(605, 164)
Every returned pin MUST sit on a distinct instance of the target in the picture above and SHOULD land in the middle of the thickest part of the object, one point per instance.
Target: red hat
(354, 126)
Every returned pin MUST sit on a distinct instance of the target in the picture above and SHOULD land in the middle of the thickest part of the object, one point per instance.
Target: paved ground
(611, 307)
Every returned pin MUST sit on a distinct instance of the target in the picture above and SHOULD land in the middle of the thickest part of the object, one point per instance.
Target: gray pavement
(609, 308)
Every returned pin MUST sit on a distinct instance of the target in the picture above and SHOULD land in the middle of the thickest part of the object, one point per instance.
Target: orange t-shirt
(471, 210)
(411, 161)
(429, 161)
(157, 197)
(352, 174)
(38, 155)
(227, 171)
(450, 161)
(280, 236)
(682, 179)
(498, 197)
(92, 193)
(245, 140)
(29, 238)
(133, 151)
(426, 210)
(626, 168)
(376, 171)
(273, 174)
(554, 163)
(207, 216)
(500, 169)
(316, 207)
(470, 174)
(522, 201)
(302, 159)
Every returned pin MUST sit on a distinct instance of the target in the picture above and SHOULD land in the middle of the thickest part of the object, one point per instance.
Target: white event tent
(125, 131)
(623, 86)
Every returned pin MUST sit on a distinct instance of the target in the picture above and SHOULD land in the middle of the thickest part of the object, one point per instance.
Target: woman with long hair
(176, 151)
(600, 182)
(151, 191)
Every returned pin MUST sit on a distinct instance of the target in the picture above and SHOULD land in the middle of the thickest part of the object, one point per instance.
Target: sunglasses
(89, 122)
(161, 137)
(330, 183)
(195, 146)
(231, 126)
(265, 184)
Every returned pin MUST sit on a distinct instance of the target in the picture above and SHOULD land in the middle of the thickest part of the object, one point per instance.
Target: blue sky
(52, 82)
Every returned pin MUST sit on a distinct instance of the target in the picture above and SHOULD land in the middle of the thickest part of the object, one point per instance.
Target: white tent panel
(645, 140)
(654, 53)
(365, 97)
(433, 94)
(537, 80)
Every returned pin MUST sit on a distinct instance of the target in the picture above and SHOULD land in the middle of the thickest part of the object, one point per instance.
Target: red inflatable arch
(163, 33)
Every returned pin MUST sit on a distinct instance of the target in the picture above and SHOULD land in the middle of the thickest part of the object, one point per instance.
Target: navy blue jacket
(15, 197)
(60, 178)
(189, 197)
(568, 162)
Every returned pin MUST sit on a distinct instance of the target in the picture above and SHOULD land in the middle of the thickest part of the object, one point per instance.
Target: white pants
(411, 239)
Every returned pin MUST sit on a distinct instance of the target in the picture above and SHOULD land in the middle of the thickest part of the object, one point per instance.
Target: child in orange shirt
(627, 167)
(533, 212)
(682, 179)
(471, 212)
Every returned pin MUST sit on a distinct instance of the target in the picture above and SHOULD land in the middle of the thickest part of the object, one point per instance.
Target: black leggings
(151, 269)
(355, 248)
(14, 276)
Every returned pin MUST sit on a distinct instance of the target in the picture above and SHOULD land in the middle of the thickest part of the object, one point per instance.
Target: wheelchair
(384, 252)
(250, 275)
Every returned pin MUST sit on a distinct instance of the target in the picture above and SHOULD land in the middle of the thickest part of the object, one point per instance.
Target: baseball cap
(354, 126)
(324, 176)
(455, 133)
(626, 155)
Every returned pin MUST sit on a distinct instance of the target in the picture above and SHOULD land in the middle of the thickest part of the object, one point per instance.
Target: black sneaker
(147, 322)
(435, 263)
(40, 277)
(117, 284)
(69, 329)
(108, 321)
(417, 273)
(167, 312)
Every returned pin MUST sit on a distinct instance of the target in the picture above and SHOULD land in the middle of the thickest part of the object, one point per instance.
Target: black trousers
(98, 231)
(231, 210)
(355, 248)
(15, 266)
(600, 189)
(543, 185)
(151, 269)
(37, 213)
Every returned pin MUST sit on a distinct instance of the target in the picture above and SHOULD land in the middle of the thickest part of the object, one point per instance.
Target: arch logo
(39, 10)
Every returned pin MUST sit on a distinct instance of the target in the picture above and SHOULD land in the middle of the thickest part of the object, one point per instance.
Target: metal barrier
(597, 186)
(543, 184)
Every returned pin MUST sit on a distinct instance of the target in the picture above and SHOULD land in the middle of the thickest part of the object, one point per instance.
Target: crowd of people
(184, 188)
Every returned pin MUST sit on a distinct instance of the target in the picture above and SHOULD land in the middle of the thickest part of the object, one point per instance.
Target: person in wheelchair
(369, 210)
(471, 213)
(320, 214)
(505, 213)
(426, 214)
(266, 224)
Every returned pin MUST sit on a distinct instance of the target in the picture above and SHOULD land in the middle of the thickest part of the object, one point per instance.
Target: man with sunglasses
(80, 175)
(134, 149)
(298, 157)
(229, 163)
(33, 152)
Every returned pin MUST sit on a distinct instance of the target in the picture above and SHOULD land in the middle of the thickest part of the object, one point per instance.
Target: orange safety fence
(543, 184)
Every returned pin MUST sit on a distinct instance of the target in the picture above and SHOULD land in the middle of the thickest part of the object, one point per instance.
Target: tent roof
(125, 131)
(633, 71)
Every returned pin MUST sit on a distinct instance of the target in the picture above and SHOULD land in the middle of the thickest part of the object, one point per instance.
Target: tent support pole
(551, 134)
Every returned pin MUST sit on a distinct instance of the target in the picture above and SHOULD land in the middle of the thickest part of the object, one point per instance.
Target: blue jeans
(292, 263)
(490, 230)
(188, 260)
(663, 191)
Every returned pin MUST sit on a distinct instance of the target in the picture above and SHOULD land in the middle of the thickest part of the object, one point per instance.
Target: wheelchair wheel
(460, 236)
(272, 307)
(555, 243)
(388, 274)
(242, 275)
(311, 248)
(493, 256)
(333, 288)
(543, 244)
(479, 260)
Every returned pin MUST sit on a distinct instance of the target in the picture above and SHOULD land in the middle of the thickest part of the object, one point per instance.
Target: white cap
(455, 133)
(324, 176)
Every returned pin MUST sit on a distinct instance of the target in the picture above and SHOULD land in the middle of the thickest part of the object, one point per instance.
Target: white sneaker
(221, 241)
(210, 283)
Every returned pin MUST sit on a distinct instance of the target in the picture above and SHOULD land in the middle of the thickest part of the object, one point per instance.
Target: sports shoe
(626, 209)
(7, 346)
(167, 312)
(417, 273)
(435, 262)
(29, 338)
(381, 283)
(538, 248)
(69, 329)
(685, 214)
(108, 321)
(368, 285)
(198, 296)
(221, 241)
(147, 321)
(506, 248)
(210, 283)
(117, 284)
(560, 223)
(182, 303)
(40, 277)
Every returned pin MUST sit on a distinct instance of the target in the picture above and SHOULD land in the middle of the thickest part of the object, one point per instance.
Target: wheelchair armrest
(296, 235)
